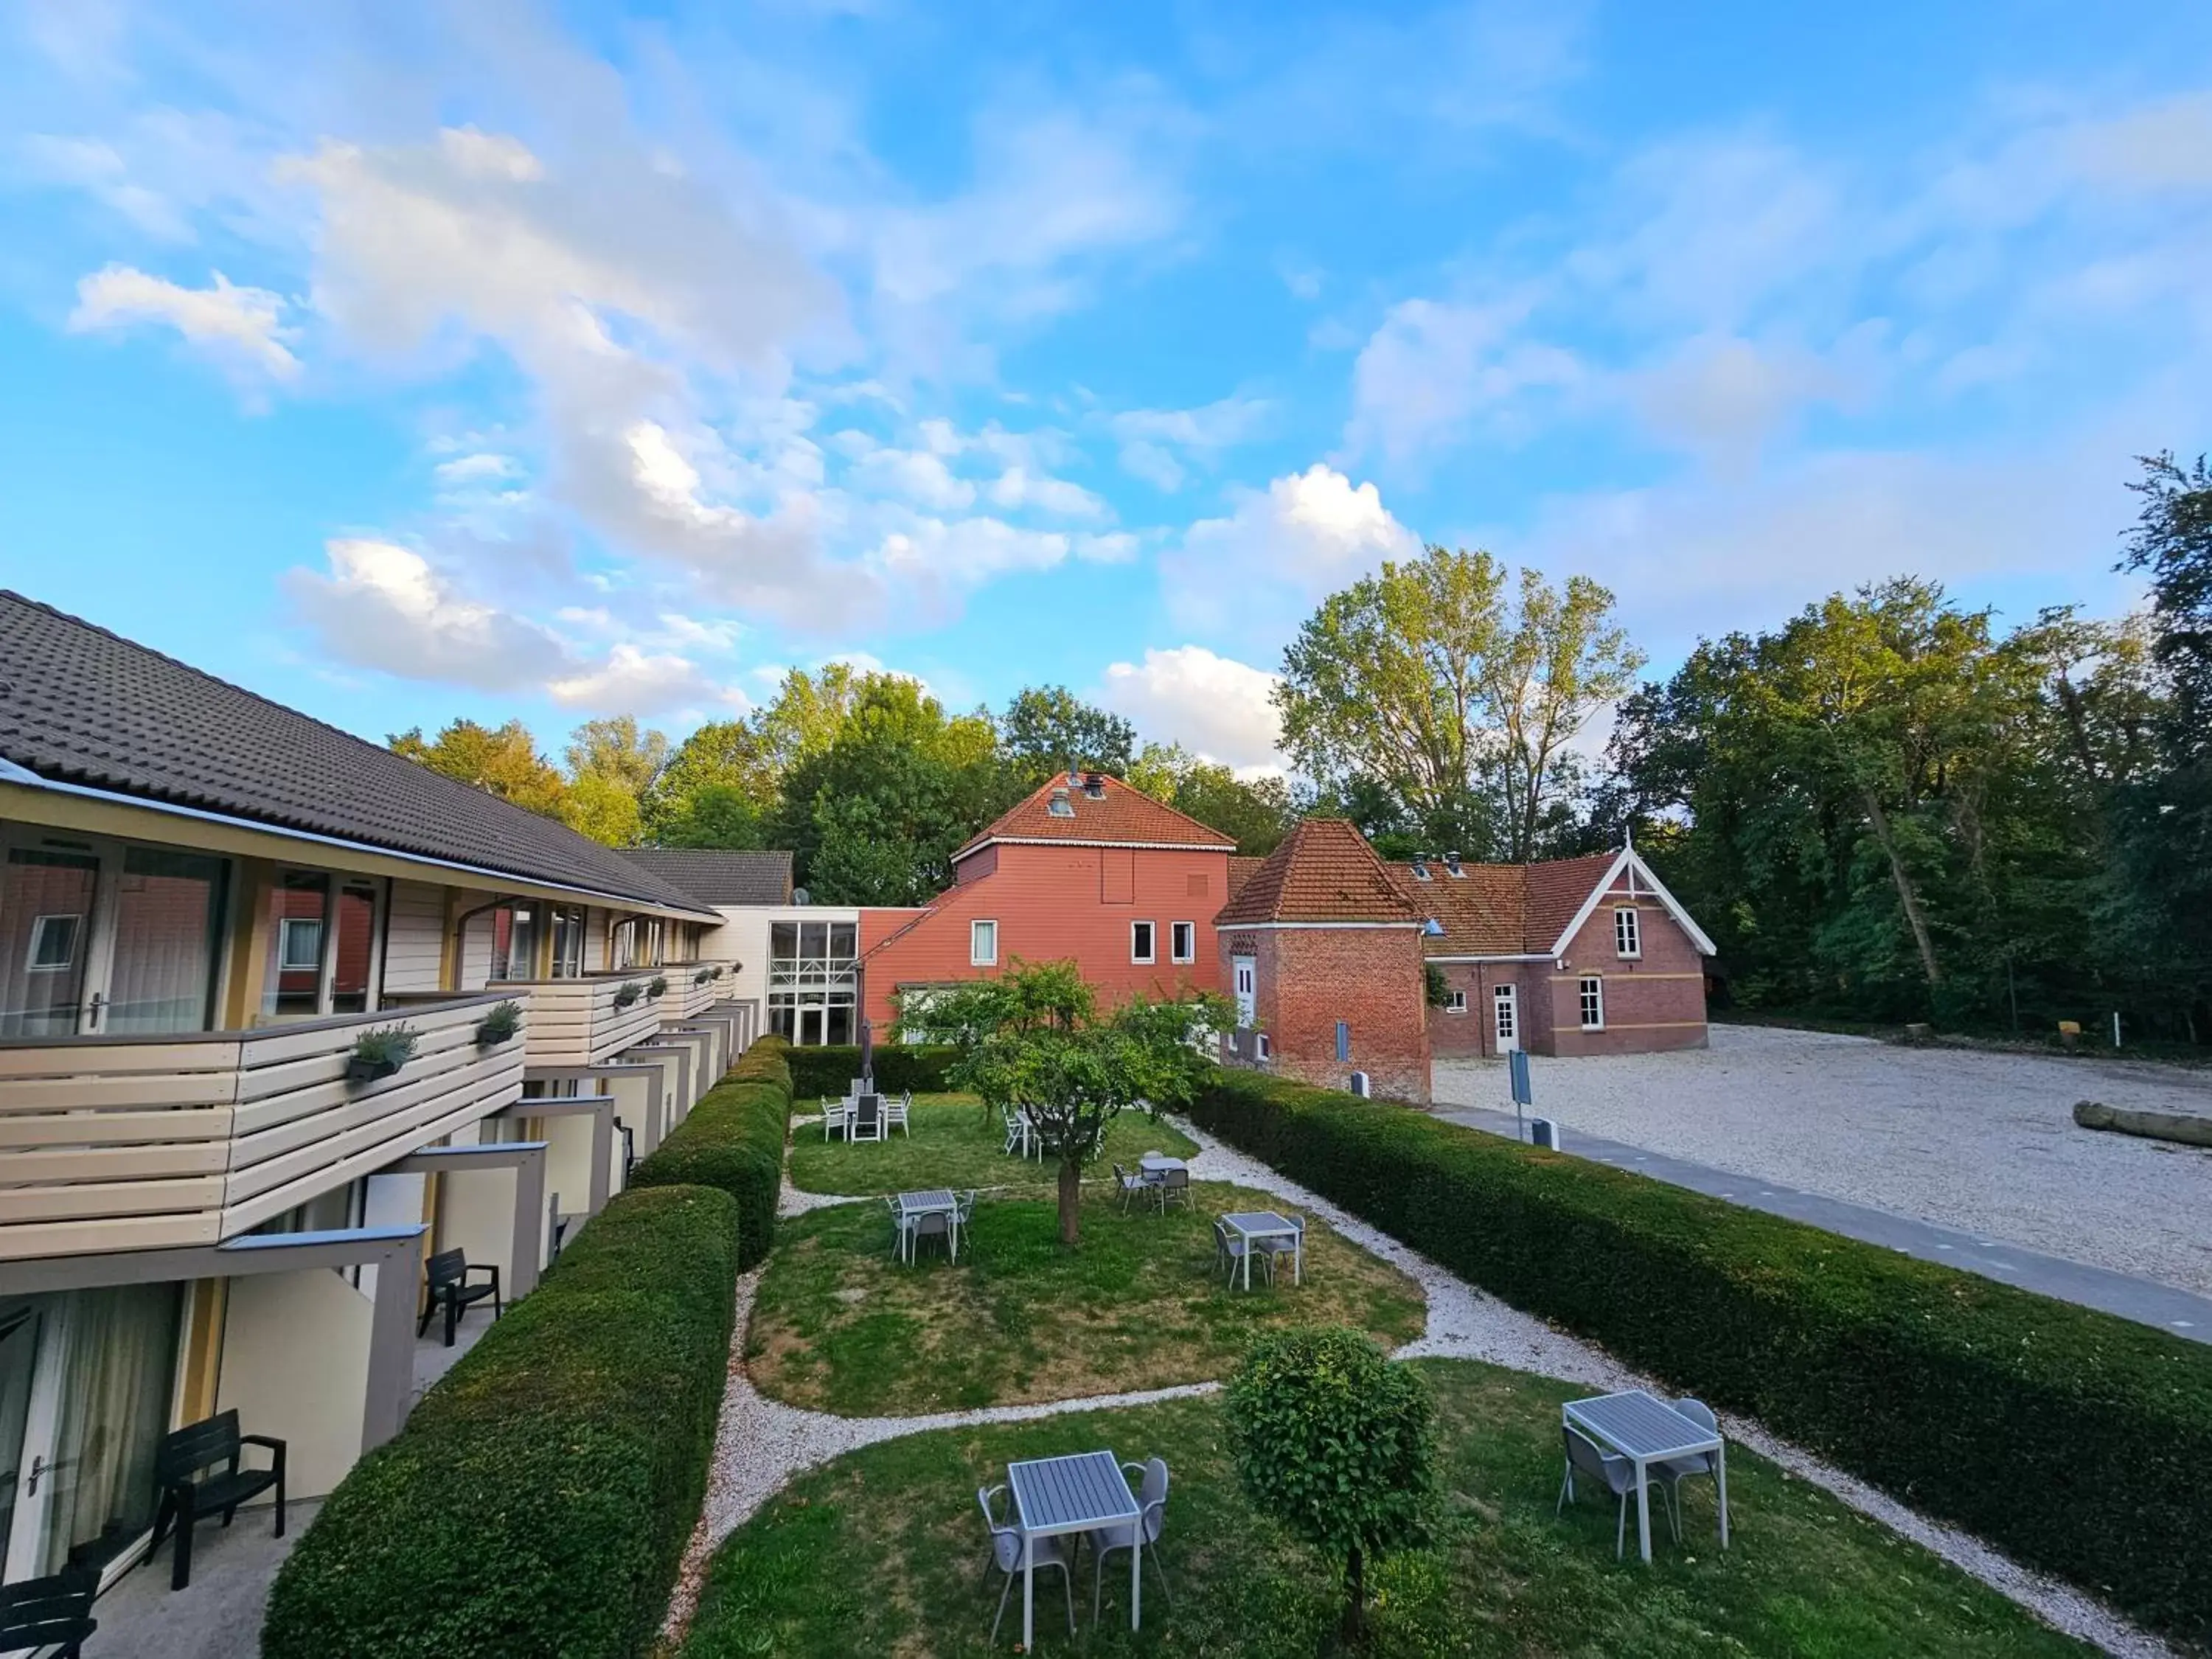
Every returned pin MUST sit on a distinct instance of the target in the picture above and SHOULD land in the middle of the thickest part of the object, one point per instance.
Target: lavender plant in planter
(380, 1051)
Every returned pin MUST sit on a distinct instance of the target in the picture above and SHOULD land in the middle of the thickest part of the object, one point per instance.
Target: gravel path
(1980, 1142)
(762, 1443)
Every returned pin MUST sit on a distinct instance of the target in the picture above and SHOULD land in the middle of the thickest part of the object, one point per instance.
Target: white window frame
(1454, 1002)
(1627, 931)
(1151, 953)
(1182, 941)
(39, 926)
(978, 957)
(1261, 1048)
(1590, 994)
(286, 962)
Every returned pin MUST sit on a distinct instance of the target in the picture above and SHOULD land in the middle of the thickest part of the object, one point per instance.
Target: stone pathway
(762, 1443)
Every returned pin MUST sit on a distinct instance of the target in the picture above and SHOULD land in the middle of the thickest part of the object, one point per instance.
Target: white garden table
(912, 1206)
(1055, 1497)
(1155, 1165)
(1252, 1226)
(1645, 1429)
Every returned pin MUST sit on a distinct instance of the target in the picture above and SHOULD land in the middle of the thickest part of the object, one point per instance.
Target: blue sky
(558, 360)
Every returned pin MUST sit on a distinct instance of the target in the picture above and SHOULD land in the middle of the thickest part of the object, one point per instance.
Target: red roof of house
(1324, 870)
(1240, 872)
(1501, 910)
(1118, 815)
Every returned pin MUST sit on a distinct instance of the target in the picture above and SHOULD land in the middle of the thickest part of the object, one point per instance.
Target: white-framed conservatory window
(1593, 1001)
(982, 944)
(1627, 931)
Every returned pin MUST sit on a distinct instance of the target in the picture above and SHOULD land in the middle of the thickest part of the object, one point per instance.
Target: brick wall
(1652, 1002)
(1053, 903)
(1371, 978)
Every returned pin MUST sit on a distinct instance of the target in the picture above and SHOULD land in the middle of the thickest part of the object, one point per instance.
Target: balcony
(157, 1142)
(686, 997)
(584, 1022)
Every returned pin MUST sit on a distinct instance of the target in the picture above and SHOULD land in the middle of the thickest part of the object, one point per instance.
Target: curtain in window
(122, 1356)
(168, 917)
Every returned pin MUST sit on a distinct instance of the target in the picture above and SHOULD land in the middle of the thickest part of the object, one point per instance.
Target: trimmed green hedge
(733, 1140)
(538, 1499)
(2074, 1440)
(820, 1072)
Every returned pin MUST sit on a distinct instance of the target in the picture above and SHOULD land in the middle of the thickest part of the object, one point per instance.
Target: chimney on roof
(1420, 866)
(1094, 785)
(1451, 865)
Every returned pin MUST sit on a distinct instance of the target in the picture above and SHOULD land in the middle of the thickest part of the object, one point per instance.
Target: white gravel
(761, 1445)
(1984, 1142)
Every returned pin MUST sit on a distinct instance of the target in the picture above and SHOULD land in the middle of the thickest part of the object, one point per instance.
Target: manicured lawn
(951, 1146)
(883, 1552)
(842, 1326)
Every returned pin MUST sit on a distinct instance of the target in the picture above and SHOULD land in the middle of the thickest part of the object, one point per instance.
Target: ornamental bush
(734, 1139)
(1337, 1442)
(538, 1499)
(1959, 1394)
(816, 1073)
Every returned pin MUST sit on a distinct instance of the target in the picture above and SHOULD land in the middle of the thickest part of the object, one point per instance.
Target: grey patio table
(1645, 1429)
(1055, 1497)
(937, 1202)
(1255, 1225)
(1155, 1165)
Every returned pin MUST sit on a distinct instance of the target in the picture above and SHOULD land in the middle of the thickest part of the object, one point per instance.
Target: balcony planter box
(380, 1053)
(629, 995)
(659, 988)
(500, 1026)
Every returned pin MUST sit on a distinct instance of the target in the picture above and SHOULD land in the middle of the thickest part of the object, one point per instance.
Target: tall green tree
(716, 789)
(501, 761)
(1461, 701)
(1258, 812)
(618, 750)
(1047, 729)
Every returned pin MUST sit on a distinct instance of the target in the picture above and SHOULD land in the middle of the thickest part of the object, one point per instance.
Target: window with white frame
(299, 944)
(1627, 931)
(1454, 1002)
(1593, 1000)
(1140, 941)
(52, 944)
(1182, 941)
(982, 944)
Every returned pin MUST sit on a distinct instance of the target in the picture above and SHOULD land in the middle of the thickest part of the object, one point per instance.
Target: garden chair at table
(836, 1117)
(1231, 1248)
(1018, 1130)
(963, 1206)
(866, 1122)
(1617, 1475)
(1152, 1493)
(1676, 1470)
(1275, 1244)
(895, 1113)
(1128, 1186)
(1007, 1551)
(1174, 1187)
(929, 1223)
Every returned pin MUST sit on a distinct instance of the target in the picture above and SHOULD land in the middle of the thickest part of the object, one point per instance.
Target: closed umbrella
(868, 1056)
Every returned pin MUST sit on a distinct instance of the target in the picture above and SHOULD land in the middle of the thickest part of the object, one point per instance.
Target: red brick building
(1321, 950)
(1588, 956)
(1084, 868)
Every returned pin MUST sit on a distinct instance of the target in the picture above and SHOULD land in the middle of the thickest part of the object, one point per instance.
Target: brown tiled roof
(1324, 870)
(82, 705)
(718, 875)
(1501, 910)
(1240, 872)
(1119, 814)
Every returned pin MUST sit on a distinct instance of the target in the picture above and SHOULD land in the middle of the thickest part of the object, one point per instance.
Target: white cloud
(480, 468)
(631, 681)
(1018, 488)
(1725, 395)
(2164, 146)
(1155, 443)
(1432, 368)
(242, 328)
(1306, 534)
(919, 475)
(97, 168)
(1214, 705)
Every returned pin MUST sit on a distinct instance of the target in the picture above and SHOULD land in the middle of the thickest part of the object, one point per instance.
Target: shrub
(733, 1140)
(818, 1072)
(1337, 1443)
(501, 1024)
(1959, 1394)
(538, 1499)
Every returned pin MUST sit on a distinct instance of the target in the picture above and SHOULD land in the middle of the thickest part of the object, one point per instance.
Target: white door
(1505, 1007)
(34, 1377)
(1244, 973)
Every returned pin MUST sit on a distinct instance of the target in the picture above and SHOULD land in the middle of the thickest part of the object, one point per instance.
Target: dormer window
(1421, 870)
(1059, 805)
(1452, 867)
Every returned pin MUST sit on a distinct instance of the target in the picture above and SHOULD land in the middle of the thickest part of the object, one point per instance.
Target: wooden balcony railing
(689, 996)
(149, 1143)
(583, 1022)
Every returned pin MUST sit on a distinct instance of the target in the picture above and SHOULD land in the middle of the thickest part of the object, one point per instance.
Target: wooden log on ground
(2183, 1127)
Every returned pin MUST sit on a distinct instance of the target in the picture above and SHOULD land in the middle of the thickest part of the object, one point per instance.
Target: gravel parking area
(1983, 1142)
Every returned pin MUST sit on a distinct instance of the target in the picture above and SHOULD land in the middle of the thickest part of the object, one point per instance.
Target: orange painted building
(1087, 868)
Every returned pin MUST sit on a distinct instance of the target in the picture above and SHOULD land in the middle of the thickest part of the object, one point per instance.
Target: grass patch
(951, 1146)
(842, 1326)
(882, 1552)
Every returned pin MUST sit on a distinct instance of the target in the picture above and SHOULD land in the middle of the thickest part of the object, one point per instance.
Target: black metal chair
(450, 1289)
(185, 1498)
(37, 1614)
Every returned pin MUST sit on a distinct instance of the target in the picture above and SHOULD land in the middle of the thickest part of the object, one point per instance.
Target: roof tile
(1324, 870)
(1119, 813)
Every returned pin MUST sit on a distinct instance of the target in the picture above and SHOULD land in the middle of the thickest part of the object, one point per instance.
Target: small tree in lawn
(1337, 1442)
(1028, 997)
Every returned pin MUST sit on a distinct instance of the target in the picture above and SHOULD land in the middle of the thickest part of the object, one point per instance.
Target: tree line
(1889, 807)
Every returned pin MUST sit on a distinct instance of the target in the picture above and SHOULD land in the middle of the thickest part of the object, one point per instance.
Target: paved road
(2070, 1281)
(1967, 1141)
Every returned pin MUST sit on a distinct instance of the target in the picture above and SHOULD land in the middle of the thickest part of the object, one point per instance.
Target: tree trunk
(1071, 1200)
(1906, 894)
(1355, 1596)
